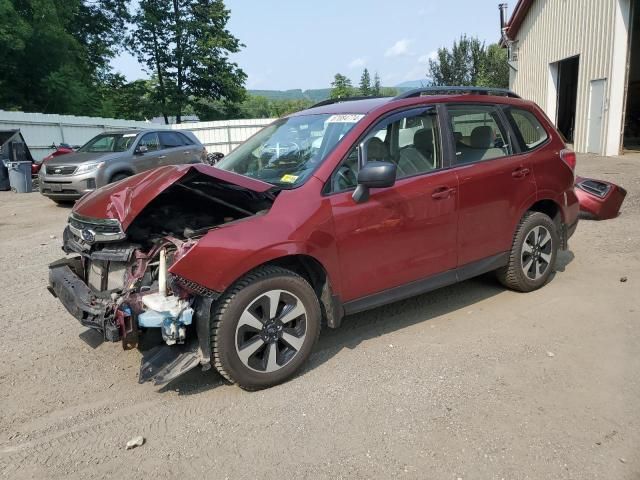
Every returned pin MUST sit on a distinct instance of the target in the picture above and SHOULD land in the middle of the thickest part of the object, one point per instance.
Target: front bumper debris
(79, 300)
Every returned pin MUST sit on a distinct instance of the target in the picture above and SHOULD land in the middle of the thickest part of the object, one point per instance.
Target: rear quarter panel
(554, 178)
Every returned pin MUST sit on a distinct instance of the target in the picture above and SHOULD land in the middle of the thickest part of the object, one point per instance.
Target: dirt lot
(471, 381)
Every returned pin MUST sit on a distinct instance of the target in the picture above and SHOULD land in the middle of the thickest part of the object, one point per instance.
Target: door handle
(520, 172)
(442, 193)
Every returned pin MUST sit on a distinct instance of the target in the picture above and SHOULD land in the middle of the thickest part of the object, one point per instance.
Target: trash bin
(4, 177)
(20, 176)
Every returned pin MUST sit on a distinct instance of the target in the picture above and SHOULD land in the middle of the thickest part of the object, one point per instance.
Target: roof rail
(446, 90)
(331, 101)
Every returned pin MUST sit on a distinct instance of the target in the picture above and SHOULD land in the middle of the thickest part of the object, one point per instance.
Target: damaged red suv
(337, 209)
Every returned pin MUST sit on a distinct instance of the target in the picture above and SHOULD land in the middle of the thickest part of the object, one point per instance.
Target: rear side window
(478, 133)
(529, 130)
(185, 140)
(171, 139)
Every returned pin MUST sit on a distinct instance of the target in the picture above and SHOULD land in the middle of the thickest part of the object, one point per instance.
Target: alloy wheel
(536, 252)
(271, 331)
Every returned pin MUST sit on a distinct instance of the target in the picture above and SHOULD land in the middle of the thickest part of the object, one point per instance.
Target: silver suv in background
(112, 156)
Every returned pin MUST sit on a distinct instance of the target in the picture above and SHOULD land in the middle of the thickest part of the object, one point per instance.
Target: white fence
(41, 130)
(224, 136)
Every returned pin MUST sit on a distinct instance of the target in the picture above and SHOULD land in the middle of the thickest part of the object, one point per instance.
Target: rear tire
(533, 254)
(264, 328)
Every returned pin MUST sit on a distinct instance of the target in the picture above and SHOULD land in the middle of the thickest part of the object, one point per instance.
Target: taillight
(569, 157)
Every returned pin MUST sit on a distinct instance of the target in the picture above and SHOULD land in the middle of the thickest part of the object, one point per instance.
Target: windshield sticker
(127, 135)
(345, 118)
(289, 178)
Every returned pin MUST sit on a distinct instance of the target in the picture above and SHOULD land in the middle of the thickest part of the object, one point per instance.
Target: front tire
(533, 254)
(119, 176)
(264, 328)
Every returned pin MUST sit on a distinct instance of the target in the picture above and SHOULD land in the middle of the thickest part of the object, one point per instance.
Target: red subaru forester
(337, 209)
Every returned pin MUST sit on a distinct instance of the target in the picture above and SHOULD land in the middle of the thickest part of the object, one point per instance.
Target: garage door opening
(567, 95)
(631, 138)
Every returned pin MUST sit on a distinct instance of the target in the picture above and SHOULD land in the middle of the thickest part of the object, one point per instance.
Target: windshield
(110, 142)
(288, 151)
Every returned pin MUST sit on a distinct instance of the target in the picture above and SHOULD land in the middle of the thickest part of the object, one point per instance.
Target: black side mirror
(215, 157)
(142, 149)
(374, 175)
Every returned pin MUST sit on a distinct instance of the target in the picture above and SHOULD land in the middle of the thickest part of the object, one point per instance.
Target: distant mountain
(320, 94)
(413, 84)
(315, 95)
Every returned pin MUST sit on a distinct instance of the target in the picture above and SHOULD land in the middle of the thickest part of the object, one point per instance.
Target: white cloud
(401, 47)
(358, 62)
(429, 56)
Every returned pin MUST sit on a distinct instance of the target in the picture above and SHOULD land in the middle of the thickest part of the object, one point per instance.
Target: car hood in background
(77, 158)
(124, 200)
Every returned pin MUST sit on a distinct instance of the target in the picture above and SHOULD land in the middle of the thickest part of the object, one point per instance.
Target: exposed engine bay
(117, 283)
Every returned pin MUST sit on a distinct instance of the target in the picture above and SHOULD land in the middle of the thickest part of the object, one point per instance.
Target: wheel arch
(550, 208)
(554, 211)
(118, 171)
(312, 270)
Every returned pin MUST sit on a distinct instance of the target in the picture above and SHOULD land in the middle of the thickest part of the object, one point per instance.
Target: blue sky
(302, 44)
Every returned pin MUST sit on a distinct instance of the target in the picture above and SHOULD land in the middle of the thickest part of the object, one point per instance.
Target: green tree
(365, 83)
(376, 89)
(135, 100)
(341, 87)
(54, 54)
(388, 92)
(186, 45)
(496, 71)
(469, 62)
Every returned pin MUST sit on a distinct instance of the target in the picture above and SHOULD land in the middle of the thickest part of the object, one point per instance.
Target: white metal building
(580, 61)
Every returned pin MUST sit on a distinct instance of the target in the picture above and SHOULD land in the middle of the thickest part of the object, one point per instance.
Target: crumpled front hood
(124, 200)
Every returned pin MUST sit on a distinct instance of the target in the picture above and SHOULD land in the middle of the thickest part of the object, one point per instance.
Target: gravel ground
(470, 382)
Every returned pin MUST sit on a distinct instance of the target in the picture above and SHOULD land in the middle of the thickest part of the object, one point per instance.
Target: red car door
(494, 183)
(403, 233)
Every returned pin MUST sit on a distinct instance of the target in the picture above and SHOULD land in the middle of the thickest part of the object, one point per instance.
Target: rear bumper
(599, 203)
(66, 285)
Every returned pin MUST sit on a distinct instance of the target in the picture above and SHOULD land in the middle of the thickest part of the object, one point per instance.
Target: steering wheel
(283, 150)
(345, 178)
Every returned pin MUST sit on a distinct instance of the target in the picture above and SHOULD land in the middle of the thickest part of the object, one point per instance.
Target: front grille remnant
(93, 230)
(61, 169)
(193, 287)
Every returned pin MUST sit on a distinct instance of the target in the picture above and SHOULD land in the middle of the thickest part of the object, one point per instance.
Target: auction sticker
(289, 178)
(345, 118)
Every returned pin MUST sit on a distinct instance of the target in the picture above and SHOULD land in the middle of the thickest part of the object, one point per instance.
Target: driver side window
(151, 141)
(411, 141)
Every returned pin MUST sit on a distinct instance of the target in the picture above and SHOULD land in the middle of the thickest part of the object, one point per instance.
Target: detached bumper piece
(79, 300)
(599, 200)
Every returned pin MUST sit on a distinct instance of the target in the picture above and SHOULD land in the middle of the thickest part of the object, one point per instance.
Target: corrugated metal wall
(557, 29)
(224, 136)
(41, 130)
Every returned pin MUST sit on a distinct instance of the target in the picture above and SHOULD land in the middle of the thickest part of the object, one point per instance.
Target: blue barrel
(20, 176)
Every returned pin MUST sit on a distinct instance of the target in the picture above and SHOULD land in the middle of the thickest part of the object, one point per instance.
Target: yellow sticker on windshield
(289, 178)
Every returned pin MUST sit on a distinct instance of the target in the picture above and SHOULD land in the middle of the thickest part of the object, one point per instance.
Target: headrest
(482, 137)
(377, 150)
(457, 136)
(423, 140)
